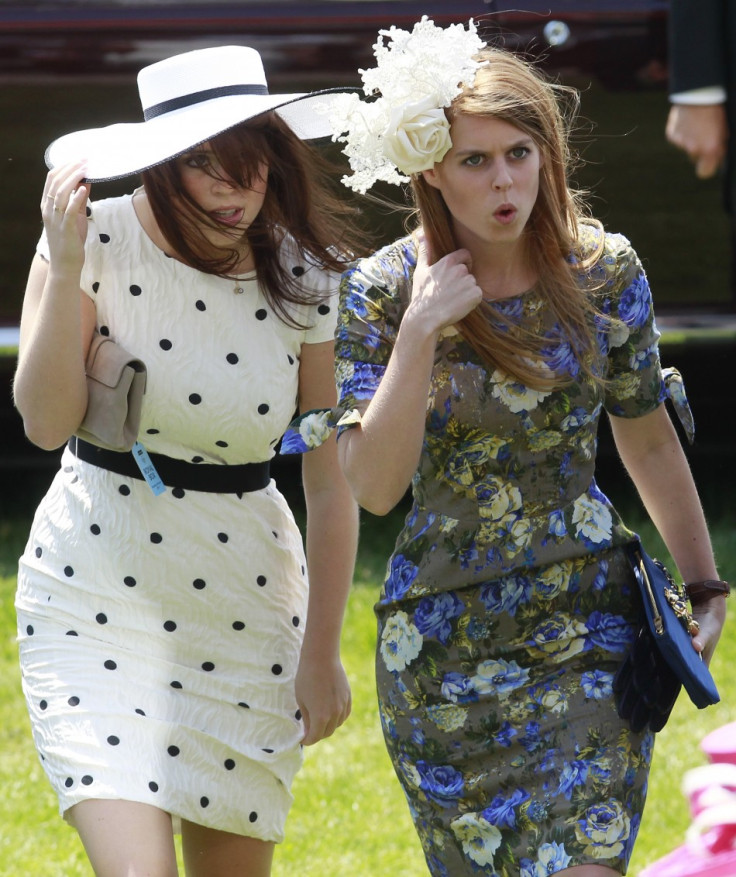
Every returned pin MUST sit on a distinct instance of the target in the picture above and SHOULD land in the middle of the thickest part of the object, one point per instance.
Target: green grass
(349, 818)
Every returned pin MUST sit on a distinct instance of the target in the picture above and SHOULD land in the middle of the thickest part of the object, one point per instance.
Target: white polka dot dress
(160, 635)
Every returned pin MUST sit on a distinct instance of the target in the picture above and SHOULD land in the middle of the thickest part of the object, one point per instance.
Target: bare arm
(650, 449)
(380, 457)
(322, 688)
(57, 319)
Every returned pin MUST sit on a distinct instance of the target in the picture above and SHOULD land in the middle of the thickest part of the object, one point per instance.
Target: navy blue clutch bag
(662, 659)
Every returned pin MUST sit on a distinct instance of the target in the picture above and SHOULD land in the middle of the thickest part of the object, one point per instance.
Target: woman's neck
(144, 214)
(503, 271)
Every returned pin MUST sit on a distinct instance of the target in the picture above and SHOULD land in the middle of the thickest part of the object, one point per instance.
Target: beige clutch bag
(116, 382)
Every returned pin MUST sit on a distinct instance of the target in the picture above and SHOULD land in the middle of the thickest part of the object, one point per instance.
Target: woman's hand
(444, 292)
(323, 695)
(711, 616)
(64, 212)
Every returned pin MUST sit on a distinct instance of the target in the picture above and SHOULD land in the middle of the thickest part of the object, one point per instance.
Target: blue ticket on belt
(148, 470)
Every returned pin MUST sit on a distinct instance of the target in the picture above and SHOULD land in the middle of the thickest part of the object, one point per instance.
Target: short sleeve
(635, 383)
(373, 297)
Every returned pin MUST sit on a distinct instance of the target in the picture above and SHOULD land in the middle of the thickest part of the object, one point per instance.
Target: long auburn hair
(509, 88)
(301, 201)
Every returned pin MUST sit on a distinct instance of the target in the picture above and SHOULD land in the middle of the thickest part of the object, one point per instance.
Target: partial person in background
(702, 69)
(176, 654)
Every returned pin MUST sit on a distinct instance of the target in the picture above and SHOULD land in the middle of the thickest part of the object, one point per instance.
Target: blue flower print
(574, 774)
(636, 303)
(609, 632)
(458, 688)
(502, 811)
(364, 380)
(551, 858)
(506, 594)
(504, 737)
(597, 684)
(441, 783)
(499, 677)
(532, 740)
(560, 357)
(433, 616)
(400, 578)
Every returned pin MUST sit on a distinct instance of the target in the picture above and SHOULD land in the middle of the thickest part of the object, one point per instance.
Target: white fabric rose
(417, 136)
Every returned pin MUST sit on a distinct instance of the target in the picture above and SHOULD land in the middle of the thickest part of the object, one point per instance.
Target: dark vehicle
(68, 64)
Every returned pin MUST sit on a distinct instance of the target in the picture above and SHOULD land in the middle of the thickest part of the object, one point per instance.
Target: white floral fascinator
(401, 127)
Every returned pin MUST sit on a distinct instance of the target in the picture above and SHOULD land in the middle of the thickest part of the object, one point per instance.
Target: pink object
(685, 862)
(720, 745)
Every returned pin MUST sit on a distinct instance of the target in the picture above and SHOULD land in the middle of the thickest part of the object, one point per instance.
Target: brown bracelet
(701, 592)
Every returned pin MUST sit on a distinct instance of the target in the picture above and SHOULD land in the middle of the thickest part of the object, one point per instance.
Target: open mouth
(229, 217)
(505, 214)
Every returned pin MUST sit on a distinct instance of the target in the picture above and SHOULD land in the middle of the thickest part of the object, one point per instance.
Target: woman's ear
(430, 177)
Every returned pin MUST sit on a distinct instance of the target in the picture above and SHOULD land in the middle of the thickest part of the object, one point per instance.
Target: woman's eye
(520, 152)
(198, 160)
(474, 160)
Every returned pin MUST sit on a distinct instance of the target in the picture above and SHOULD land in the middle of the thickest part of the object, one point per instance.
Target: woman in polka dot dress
(175, 654)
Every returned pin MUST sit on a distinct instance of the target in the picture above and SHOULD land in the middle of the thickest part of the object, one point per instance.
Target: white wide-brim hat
(186, 100)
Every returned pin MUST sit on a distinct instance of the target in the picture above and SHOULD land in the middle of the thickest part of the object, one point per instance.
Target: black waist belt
(208, 477)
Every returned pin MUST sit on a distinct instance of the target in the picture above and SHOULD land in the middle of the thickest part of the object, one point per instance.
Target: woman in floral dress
(474, 360)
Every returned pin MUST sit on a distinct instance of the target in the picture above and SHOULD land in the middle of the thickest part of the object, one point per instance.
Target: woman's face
(227, 204)
(489, 180)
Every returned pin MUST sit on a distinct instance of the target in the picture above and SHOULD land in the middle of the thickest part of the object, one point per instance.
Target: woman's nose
(502, 179)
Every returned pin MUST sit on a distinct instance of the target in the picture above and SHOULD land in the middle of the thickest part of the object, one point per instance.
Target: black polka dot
(244, 705)
(68, 571)
(43, 704)
(156, 538)
(101, 618)
(88, 211)
(261, 314)
(238, 625)
(223, 537)
(253, 817)
(39, 552)
(267, 751)
(104, 330)
(87, 780)
(95, 286)
(229, 764)
(153, 786)
(199, 584)
(221, 444)
(204, 801)
(153, 431)
(29, 630)
(135, 289)
(277, 669)
(232, 358)
(140, 711)
(165, 344)
(173, 751)
(295, 621)
(298, 715)
(197, 459)
(72, 633)
(200, 305)
(105, 238)
(208, 666)
(261, 581)
(323, 309)
(263, 408)
(275, 534)
(95, 529)
(113, 740)
(110, 665)
(176, 684)
(290, 358)
(177, 493)
(124, 490)
(68, 782)
(170, 626)
(129, 582)
(195, 398)
(297, 270)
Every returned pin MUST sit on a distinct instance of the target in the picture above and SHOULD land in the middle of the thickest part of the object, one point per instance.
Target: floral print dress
(508, 603)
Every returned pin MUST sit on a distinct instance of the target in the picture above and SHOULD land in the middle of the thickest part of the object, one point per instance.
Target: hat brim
(118, 151)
